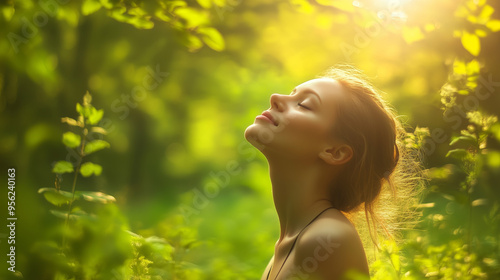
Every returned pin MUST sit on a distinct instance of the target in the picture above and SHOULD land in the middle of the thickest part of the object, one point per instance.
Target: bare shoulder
(330, 247)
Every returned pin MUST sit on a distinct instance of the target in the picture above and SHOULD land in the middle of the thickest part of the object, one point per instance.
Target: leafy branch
(88, 120)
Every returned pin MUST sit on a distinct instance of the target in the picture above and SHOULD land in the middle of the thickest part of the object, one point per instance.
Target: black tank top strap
(293, 244)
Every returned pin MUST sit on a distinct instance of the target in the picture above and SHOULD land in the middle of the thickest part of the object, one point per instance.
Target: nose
(277, 102)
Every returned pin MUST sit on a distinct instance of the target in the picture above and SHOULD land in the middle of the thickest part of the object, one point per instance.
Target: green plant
(94, 241)
(87, 122)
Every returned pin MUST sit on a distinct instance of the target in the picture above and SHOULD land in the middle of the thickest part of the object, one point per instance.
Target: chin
(255, 135)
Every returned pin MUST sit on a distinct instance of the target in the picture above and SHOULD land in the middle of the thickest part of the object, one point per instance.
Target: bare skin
(304, 159)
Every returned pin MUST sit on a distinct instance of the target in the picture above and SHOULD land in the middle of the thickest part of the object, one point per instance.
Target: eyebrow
(308, 91)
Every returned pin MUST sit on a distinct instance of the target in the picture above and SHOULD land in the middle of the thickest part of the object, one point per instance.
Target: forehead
(324, 87)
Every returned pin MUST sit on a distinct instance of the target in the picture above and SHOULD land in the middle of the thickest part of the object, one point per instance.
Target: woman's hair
(383, 176)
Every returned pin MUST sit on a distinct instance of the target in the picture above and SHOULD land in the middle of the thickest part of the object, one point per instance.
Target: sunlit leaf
(90, 6)
(71, 122)
(141, 22)
(71, 140)
(108, 4)
(162, 15)
(95, 116)
(493, 25)
(56, 197)
(192, 17)
(96, 197)
(76, 215)
(473, 67)
(486, 12)
(137, 11)
(480, 33)
(464, 139)
(212, 38)
(95, 146)
(83, 110)
(99, 130)
(472, 19)
(192, 42)
(479, 202)
(207, 4)
(459, 67)
(63, 167)
(471, 43)
(87, 99)
(173, 5)
(88, 169)
(457, 153)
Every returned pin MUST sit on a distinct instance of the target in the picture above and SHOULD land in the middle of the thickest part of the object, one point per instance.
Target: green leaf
(56, 197)
(83, 110)
(471, 43)
(95, 116)
(96, 197)
(464, 139)
(162, 15)
(457, 153)
(192, 42)
(71, 122)
(71, 140)
(90, 6)
(63, 166)
(493, 25)
(207, 4)
(192, 17)
(99, 130)
(95, 146)
(87, 99)
(212, 38)
(89, 168)
(141, 22)
(76, 215)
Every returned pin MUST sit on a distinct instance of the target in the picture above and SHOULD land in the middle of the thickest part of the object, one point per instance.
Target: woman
(331, 145)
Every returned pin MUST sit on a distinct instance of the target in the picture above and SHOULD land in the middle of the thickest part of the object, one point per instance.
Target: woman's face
(300, 124)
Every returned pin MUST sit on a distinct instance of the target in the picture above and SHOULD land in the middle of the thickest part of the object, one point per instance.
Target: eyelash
(303, 106)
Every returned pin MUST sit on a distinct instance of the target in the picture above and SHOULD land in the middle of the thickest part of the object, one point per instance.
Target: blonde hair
(384, 176)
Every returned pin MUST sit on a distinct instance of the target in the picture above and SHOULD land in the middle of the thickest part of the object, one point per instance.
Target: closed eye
(303, 106)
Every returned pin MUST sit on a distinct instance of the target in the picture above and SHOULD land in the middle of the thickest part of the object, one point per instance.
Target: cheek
(304, 130)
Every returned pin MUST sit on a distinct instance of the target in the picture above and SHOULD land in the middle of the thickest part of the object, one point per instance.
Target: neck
(300, 192)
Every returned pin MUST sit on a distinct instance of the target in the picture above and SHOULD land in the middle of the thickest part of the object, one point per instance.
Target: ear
(337, 155)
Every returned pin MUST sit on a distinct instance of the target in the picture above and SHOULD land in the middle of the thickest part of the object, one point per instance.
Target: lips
(267, 116)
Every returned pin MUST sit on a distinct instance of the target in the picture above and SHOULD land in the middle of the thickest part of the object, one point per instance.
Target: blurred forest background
(178, 193)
